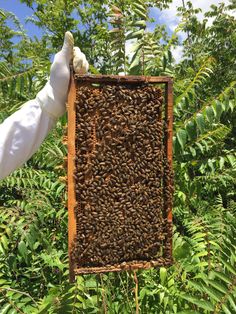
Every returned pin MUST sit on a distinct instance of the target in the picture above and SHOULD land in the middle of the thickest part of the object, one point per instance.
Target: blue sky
(168, 16)
(22, 12)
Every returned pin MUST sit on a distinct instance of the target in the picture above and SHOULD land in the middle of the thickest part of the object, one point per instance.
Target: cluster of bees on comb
(123, 180)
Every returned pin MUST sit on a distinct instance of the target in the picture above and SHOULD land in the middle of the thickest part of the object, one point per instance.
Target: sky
(22, 12)
(168, 16)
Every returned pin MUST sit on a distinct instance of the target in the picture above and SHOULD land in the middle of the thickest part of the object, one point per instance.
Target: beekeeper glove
(53, 96)
(22, 133)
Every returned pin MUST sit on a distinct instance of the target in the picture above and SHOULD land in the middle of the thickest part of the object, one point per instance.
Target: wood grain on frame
(122, 79)
(70, 175)
(169, 120)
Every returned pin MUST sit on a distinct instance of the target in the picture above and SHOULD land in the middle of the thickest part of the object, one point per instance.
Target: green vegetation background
(33, 220)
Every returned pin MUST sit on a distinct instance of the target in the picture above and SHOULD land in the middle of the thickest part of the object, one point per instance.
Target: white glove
(80, 64)
(22, 133)
(53, 96)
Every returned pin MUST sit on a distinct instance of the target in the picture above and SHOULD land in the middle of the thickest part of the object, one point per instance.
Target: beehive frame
(76, 81)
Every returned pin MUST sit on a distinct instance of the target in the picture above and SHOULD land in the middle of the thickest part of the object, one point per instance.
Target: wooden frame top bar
(128, 79)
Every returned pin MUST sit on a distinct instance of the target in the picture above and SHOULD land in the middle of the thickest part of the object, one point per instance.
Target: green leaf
(226, 102)
(4, 241)
(140, 13)
(135, 70)
(205, 144)
(142, 293)
(189, 312)
(229, 267)
(231, 105)
(182, 137)
(30, 241)
(219, 109)
(22, 248)
(163, 275)
(210, 114)
(22, 84)
(139, 7)
(219, 286)
(135, 47)
(141, 23)
(135, 60)
(115, 43)
(115, 30)
(200, 122)
(214, 294)
(191, 130)
(231, 159)
(232, 302)
(203, 304)
(4, 309)
(211, 165)
(169, 53)
(221, 162)
(59, 189)
(164, 62)
(193, 151)
(136, 34)
(181, 251)
(226, 310)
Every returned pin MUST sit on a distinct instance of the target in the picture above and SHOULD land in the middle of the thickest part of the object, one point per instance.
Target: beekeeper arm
(22, 133)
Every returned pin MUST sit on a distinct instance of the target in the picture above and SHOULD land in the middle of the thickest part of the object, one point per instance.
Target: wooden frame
(97, 79)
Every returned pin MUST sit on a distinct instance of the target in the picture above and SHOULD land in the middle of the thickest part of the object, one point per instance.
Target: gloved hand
(22, 133)
(53, 96)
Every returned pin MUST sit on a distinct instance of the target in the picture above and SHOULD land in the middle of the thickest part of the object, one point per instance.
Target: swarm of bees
(122, 177)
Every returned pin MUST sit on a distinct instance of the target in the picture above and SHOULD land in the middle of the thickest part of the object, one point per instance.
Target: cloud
(171, 19)
(177, 53)
(170, 16)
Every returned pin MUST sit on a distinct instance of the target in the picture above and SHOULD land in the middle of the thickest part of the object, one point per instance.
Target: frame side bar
(70, 168)
(169, 144)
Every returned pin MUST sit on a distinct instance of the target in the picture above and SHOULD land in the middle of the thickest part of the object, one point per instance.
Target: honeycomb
(123, 180)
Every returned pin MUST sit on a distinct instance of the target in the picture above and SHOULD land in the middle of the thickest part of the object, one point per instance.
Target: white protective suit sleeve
(22, 133)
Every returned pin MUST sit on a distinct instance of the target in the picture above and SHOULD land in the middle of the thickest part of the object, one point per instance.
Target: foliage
(33, 220)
